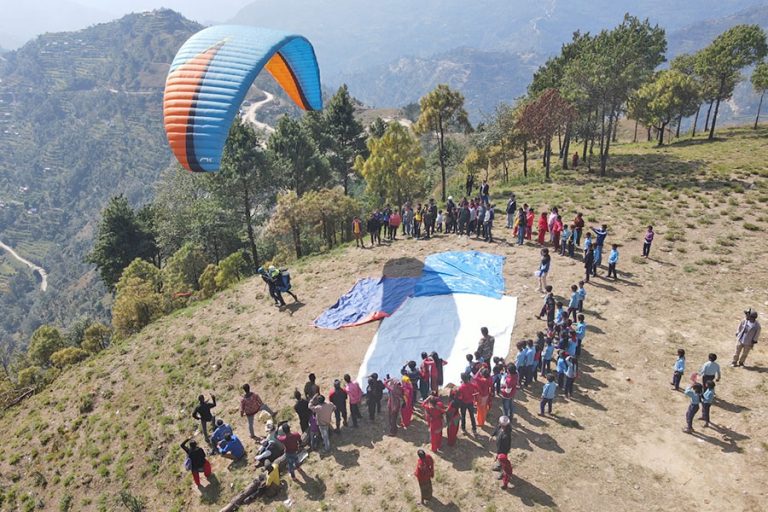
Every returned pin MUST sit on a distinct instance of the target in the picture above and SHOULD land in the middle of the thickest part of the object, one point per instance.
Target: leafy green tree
(232, 269)
(122, 237)
(138, 298)
(97, 337)
(182, 270)
(442, 110)
(731, 51)
(297, 158)
(760, 84)
(287, 221)
(394, 170)
(32, 376)
(377, 127)
(207, 281)
(609, 68)
(246, 178)
(345, 133)
(187, 209)
(541, 119)
(329, 213)
(45, 341)
(669, 96)
(68, 356)
(76, 332)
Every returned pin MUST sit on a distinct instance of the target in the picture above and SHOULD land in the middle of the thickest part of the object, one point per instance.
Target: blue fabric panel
(473, 272)
(369, 299)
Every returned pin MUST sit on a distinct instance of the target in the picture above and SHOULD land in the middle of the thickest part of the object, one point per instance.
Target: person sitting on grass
(221, 430)
(230, 447)
(269, 481)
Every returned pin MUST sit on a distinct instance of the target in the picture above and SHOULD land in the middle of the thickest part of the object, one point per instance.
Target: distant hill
(485, 78)
(351, 35)
(80, 121)
(22, 21)
(696, 36)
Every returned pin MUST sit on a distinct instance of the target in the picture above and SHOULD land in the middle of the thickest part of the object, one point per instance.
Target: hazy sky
(198, 10)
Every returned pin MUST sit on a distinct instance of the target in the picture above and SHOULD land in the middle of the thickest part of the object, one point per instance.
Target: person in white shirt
(746, 337)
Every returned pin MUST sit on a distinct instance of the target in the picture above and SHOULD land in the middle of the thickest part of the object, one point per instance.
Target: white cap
(504, 421)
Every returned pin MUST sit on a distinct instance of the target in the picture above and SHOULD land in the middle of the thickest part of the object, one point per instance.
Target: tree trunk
(547, 158)
(634, 139)
(709, 111)
(615, 137)
(559, 143)
(346, 183)
(649, 134)
(661, 134)
(525, 159)
(441, 149)
(587, 137)
(296, 232)
(566, 147)
(679, 122)
(717, 107)
(249, 226)
(602, 138)
(604, 152)
(695, 120)
(759, 106)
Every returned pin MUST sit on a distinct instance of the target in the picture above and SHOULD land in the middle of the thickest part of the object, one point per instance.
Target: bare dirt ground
(617, 445)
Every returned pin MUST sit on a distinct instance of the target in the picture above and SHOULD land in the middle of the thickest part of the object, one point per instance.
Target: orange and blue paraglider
(210, 76)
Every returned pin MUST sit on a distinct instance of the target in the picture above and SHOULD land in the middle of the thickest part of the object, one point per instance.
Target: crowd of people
(546, 368)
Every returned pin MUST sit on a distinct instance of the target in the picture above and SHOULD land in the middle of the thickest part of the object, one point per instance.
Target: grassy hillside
(115, 422)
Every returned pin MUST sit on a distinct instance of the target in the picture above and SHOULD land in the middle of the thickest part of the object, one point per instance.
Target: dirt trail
(40, 270)
(250, 113)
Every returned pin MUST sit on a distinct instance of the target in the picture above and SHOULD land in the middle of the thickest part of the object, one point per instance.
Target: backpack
(284, 281)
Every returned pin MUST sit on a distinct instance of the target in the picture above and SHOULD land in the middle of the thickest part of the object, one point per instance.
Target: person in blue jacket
(548, 394)
(544, 265)
(694, 393)
(220, 431)
(613, 259)
(231, 447)
(679, 369)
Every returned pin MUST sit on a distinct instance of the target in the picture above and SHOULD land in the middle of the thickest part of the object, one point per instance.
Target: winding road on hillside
(40, 270)
(250, 113)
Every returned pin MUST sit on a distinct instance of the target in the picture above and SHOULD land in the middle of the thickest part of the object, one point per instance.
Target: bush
(45, 341)
(96, 337)
(32, 376)
(207, 281)
(68, 356)
(232, 269)
(183, 269)
(137, 303)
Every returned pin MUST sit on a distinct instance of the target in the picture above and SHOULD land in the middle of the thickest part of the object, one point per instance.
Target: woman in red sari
(529, 223)
(452, 417)
(433, 413)
(543, 227)
(484, 386)
(406, 413)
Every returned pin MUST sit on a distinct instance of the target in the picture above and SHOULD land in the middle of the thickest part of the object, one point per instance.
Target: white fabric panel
(447, 324)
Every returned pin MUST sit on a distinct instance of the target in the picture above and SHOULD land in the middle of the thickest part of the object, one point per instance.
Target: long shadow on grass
(436, 504)
(727, 444)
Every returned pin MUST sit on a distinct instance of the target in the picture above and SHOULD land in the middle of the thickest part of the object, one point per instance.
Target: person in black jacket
(503, 435)
(196, 461)
(372, 226)
(589, 262)
(302, 410)
(338, 397)
(203, 413)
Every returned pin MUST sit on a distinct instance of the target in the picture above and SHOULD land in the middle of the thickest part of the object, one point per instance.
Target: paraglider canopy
(210, 76)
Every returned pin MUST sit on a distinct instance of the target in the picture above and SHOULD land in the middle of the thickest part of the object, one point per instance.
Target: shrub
(45, 341)
(751, 227)
(137, 303)
(32, 376)
(183, 269)
(68, 356)
(207, 281)
(96, 337)
(231, 269)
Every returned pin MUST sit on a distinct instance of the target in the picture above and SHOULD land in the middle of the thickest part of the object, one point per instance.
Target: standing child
(706, 401)
(566, 238)
(508, 390)
(570, 375)
(529, 224)
(589, 261)
(582, 296)
(560, 315)
(530, 363)
(520, 361)
(572, 243)
(581, 333)
(357, 230)
(562, 368)
(546, 260)
(549, 306)
(573, 303)
(546, 357)
(548, 394)
(613, 259)
(648, 241)
(440, 218)
(710, 370)
(679, 369)
(694, 393)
